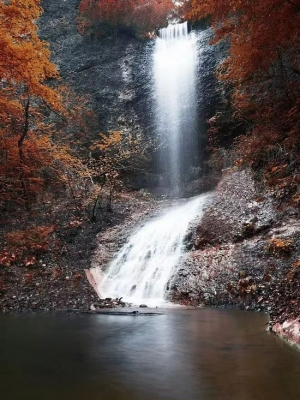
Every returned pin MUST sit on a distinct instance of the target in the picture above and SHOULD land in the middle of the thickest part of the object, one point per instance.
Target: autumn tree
(139, 17)
(264, 67)
(116, 155)
(30, 158)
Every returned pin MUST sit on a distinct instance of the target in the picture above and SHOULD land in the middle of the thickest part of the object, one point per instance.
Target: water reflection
(145, 351)
(184, 354)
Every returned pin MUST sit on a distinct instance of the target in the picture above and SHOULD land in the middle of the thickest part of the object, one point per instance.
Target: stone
(116, 74)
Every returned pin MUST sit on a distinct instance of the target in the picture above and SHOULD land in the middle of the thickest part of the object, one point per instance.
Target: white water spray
(142, 269)
(175, 63)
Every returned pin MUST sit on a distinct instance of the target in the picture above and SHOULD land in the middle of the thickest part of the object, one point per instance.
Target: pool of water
(201, 354)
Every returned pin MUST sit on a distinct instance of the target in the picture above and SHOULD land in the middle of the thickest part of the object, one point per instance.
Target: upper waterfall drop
(141, 270)
(175, 66)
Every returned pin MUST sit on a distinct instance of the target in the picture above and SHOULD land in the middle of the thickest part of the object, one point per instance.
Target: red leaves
(31, 260)
(136, 15)
(7, 258)
(25, 246)
(31, 156)
(264, 68)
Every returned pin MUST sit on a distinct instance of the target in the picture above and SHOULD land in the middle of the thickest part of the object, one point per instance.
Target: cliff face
(116, 72)
(245, 253)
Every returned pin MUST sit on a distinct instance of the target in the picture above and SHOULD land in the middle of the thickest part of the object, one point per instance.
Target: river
(197, 354)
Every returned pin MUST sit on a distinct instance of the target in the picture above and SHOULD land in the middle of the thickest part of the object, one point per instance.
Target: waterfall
(175, 63)
(141, 270)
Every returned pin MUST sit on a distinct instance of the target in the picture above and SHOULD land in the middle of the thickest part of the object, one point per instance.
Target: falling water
(175, 63)
(142, 269)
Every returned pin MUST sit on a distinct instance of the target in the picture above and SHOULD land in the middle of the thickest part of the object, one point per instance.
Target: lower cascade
(142, 269)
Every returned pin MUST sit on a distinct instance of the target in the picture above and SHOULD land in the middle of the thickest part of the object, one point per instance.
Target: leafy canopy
(264, 60)
(30, 158)
(138, 16)
(263, 68)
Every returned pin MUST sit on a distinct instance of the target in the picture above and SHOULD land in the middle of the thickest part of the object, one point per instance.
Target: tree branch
(25, 130)
(20, 147)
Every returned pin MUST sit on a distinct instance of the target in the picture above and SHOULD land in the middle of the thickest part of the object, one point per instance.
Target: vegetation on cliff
(140, 18)
(264, 69)
(48, 183)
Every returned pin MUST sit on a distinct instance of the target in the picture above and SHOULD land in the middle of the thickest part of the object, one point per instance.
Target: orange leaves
(138, 16)
(39, 165)
(109, 141)
(31, 240)
(32, 154)
(279, 247)
(122, 152)
(24, 246)
(29, 243)
(263, 62)
(24, 58)
(151, 15)
(24, 67)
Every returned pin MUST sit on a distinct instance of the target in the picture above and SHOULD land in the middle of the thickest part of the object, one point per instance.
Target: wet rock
(240, 257)
(143, 306)
(116, 74)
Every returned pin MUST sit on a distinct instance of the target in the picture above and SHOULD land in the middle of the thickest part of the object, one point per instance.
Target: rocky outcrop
(114, 71)
(116, 74)
(244, 253)
(289, 330)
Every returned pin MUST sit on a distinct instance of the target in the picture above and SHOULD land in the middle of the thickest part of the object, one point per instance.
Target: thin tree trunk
(21, 154)
(24, 132)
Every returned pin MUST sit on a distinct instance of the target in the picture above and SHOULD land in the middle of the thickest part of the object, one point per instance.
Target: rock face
(116, 72)
(245, 252)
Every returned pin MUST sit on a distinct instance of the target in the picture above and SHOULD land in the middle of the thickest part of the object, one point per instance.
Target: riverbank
(54, 278)
(243, 254)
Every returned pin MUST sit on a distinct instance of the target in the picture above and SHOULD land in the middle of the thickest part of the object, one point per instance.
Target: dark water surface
(202, 354)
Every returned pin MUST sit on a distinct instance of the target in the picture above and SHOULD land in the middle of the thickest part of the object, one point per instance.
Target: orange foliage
(25, 245)
(280, 247)
(115, 154)
(139, 16)
(264, 67)
(121, 152)
(30, 157)
(24, 59)
(31, 240)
